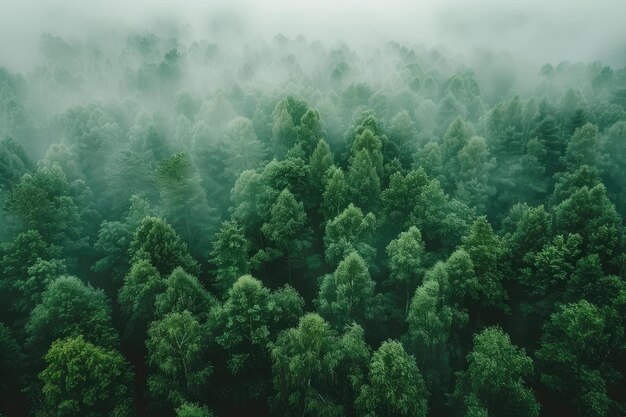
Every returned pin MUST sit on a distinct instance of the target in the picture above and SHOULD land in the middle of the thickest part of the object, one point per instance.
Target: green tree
(346, 294)
(349, 231)
(288, 229)
(12, 364)
(176, 347)
(456, 137)
(242, 148)
(246, 324)
(398, 201)
(548, 133)
(405, 261)
(462, 279)
(69, 308)
(494, 381)
(475, 164)
(183, 292)
(303, 362)
(21, 265)
(320, 161)
(403, 134)
(487, 253)
(364, 181)
(370, 142)
(395, 385)
(115, 237)
(549, 273)
(156, 241)
(441, 219)
(85, 379)
(14, 163)
(184, 201)
(429, 322)
(575, 358)
(582, 148)
(589, 213)
(286, 115)
(309, 131)
(193, 410)
(141, 286)
(113, 241)
(42, 202)
(230, 255)
(335, 195)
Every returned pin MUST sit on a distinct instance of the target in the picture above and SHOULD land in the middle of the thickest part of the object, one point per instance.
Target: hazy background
(533, 32)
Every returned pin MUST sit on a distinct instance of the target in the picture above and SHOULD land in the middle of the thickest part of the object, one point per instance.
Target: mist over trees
(304, 226)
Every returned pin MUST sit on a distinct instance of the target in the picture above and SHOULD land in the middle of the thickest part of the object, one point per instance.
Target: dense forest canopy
(200, 223)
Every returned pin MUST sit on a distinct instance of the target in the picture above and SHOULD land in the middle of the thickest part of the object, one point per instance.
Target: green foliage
(475, 163)
(311, 366)
(85, 379)
(349, 232)
(183, 292)
(242, 148)
(176, 347)
(395, 386)
(405, 260)
(494, 382)
(310, 131)
(27, 265)
(246, 325)
(346, 294)
(364, 180)
(406, 193)
(549, 274)
(11, 361)
(113, 241)
(42, 202)
(320, 161)
(429, 323)
(486, 252)
(184, 201)
(287, 228)
(335, 195)
(156, 241)
(230, 254)
(141, 286)
(589, 213)
(572, 359)
(193, 410)
(442, 220)
(69, 308)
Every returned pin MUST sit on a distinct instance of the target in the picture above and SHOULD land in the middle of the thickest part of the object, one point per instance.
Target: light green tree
(395, 386)
(85, 379)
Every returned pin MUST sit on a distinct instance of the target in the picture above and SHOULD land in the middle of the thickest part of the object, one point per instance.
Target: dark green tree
(183, 292)
(69, 308)
(85, 379)
(575, 359)
(156, 241)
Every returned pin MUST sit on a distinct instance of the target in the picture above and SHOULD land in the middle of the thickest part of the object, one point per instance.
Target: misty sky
(534, 32)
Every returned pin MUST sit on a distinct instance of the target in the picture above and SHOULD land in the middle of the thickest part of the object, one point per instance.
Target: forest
(209, 227)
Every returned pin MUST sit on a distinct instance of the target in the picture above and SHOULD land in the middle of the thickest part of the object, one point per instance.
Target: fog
(533, 32)
(327, 208)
